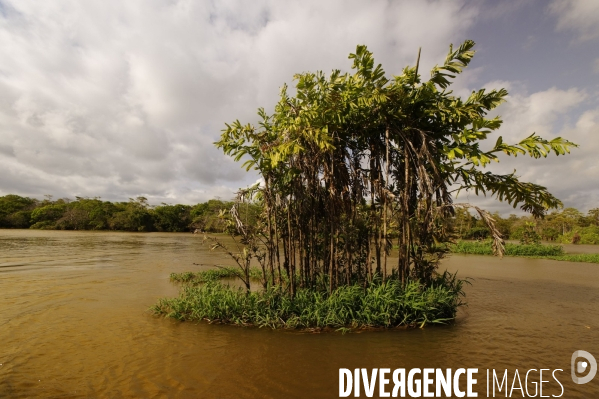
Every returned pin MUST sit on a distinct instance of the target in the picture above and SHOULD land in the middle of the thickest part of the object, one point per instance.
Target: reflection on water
(73, 323)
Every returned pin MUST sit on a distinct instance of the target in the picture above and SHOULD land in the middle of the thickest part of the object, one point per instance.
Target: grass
(205, 276)
(484, 248)
(587, 258)
(381, 304)
(538, 251)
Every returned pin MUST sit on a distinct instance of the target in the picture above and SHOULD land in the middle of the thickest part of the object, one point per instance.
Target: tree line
(134, 215)
(564, 226)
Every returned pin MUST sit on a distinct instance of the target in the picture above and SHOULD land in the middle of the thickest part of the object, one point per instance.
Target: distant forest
(566, 226)
(135, 215)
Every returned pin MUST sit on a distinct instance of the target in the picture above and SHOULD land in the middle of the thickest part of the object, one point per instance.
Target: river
(74, 324)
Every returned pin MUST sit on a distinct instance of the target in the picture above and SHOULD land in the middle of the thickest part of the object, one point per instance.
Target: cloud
(538, 112)
(123, 98)
(573, 177)
(581, 16)
(550, 113)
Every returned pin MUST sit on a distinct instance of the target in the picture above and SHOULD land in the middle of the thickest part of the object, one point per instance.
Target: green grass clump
(552, 252)
(381, 304)
(587, 258)
(484, 248)
(205, 276)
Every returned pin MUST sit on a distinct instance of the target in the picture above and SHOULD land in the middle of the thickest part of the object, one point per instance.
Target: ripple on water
(73, 323)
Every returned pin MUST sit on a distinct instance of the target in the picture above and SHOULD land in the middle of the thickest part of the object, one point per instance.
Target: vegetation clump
(537, 251)
(565, 226)
(380, 304)
(586, 258)
(352, 165)
(485, 248)
(205, 276)
(581, 235)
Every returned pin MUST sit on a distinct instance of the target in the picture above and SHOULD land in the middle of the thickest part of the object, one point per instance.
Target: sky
(119, 99)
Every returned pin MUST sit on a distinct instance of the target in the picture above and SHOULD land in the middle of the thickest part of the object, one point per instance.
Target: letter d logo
(582, 366)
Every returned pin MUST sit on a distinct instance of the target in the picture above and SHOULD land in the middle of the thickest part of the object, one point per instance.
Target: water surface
(74, 324)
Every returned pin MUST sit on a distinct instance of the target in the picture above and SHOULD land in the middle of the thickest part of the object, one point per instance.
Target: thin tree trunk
(291, 252)
(386, 183)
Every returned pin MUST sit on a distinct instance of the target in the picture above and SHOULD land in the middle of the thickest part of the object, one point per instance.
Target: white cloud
(121, 98)
(551, 113)
(538, 112)
(581, 16)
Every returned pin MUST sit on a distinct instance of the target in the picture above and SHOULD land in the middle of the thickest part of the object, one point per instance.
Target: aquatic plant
(536, 251)
(485, 248)
(586, 258)
(380, 304)
(205, 276)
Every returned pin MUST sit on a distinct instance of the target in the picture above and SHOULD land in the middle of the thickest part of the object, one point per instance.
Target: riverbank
(533, 251)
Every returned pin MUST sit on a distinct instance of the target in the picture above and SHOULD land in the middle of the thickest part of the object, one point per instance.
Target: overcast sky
(124, 98)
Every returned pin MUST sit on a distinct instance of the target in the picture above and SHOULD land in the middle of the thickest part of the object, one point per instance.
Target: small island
(353, 165)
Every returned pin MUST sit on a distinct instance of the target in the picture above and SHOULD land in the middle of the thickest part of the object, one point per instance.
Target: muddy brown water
(74, 324)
